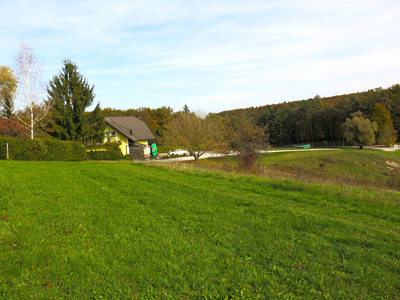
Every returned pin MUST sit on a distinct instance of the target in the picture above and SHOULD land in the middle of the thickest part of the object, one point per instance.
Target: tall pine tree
(71, 94)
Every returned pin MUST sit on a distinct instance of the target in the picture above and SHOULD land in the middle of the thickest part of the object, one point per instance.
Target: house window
(110, 135)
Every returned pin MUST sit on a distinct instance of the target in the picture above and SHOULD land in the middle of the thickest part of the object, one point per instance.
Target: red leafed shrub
(12, 128)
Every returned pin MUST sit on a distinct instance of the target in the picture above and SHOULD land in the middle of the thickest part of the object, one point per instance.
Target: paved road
(211, 154)
(380, 148)
(183, 158)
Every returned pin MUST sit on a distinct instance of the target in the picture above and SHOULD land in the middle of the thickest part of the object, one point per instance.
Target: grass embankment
(366, 168)
(95, 230)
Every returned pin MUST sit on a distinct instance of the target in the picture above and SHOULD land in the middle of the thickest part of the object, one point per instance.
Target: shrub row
(45, 150)
(54, 150)
(103, 155)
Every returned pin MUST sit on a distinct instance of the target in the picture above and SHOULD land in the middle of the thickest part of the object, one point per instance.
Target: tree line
(315, 121)
(59, 111)
(319, 120)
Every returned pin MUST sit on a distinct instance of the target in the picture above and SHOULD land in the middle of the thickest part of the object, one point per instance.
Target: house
(132, 134)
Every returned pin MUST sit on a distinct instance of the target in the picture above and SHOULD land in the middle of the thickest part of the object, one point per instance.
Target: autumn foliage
(385, 133)
(193, 133)
(319, 120)
(247, 139)
(12, 128)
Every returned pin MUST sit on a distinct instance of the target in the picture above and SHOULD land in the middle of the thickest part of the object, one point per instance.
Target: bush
(108, 146)
(112, 151)
(11, 127)
(248, 161)
(47, 150)
(103, 155)
(65, 151)
(127, 157)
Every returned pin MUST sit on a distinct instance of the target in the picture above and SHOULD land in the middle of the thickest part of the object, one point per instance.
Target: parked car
(178, 152)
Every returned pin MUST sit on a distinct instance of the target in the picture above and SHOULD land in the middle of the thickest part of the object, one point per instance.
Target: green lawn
(367, 168)
(94, 230)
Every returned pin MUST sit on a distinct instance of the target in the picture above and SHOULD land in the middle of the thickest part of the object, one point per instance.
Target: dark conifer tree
(94, 132)
(71, 94)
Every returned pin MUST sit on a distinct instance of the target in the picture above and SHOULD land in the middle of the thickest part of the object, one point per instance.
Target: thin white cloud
(226, 53)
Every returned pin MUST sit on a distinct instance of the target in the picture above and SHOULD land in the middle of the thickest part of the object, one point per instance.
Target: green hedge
(103, 155)
(46, 150)
(112, 151)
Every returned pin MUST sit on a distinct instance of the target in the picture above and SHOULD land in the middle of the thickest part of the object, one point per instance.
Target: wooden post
(7, 150)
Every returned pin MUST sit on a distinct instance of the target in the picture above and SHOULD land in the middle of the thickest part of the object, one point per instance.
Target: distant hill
(318, 119)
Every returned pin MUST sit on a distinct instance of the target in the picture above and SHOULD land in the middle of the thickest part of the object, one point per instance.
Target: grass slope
(361, 168)
(366, 168)
(95, 230)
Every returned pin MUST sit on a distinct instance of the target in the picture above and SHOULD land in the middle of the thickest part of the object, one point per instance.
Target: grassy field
(367, 168)
(94, 230)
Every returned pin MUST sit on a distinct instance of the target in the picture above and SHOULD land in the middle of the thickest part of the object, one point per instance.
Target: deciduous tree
(359, 130)
(11, 127)
(385, 133)
(28, 105)
(194, 133)
(8, 87)
(248, 139)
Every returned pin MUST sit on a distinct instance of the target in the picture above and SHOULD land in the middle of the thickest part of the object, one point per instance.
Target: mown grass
(94, 230)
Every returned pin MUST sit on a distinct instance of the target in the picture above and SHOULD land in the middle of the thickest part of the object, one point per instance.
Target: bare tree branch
(29, 106)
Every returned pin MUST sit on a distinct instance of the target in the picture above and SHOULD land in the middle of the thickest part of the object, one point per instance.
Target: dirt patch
(392, 165)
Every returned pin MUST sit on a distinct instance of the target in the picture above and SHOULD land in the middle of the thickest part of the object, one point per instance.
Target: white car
(178, 152)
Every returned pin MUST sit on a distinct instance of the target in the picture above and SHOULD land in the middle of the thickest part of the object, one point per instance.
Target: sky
(210, 55)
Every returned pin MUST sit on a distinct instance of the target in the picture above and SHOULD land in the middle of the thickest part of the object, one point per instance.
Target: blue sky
(210, 55)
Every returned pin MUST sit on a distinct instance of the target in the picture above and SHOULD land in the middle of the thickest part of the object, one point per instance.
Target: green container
(308, 146)
(154, 151)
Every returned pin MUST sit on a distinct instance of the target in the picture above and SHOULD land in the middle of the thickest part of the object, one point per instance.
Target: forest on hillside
(317, 120)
